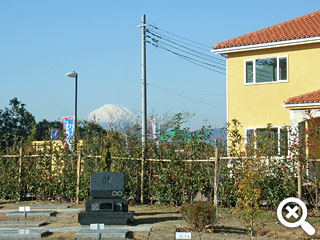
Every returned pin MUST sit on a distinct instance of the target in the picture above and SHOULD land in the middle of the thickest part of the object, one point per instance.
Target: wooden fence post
(20, 170)
(299, 180)
(216, 178)
(78, 175)
(317, 196)
(142, 178)
(49, 165)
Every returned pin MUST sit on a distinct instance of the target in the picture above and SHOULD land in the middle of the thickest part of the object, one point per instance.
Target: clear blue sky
(42, 40)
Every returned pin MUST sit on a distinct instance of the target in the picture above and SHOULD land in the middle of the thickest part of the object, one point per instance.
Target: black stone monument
(106, 205)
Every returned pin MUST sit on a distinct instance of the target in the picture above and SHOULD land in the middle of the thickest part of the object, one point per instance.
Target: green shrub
(200, 215)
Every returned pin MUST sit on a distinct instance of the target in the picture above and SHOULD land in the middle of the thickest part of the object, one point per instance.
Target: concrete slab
(31, 214)
(87, 235)
(57, 210)
(107, 227)
(22, 234)
(22, 223)
(124, 227)
(101, 234)
(50, 206)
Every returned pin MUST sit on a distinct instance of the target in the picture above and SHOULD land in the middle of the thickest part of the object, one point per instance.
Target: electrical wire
(179, 48)
(196, 93)
(211, 58)
(188, 52)
(157, 28)
(182, 96)
(183, 42)
(127, 68)
(189, 59)
(212, 65)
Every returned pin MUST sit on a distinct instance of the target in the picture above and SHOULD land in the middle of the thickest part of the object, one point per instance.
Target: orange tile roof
(305, 26)
(311, 97)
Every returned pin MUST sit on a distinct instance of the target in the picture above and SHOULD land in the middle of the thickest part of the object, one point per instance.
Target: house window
(266, 70)
(284, 142)
(275, 138)
(268, 138)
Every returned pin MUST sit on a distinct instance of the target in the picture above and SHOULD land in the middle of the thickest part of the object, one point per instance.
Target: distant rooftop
(305, 26)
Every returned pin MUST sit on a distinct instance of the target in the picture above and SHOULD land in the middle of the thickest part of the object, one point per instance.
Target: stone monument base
(107, 205)
(101, 234)
(108, 218)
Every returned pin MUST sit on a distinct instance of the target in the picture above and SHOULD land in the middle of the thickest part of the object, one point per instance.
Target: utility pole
(144, 104)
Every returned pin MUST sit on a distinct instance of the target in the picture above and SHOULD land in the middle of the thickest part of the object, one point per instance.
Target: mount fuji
(112, 114)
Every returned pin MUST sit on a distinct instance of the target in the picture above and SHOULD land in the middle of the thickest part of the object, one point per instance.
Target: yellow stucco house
(273, 75)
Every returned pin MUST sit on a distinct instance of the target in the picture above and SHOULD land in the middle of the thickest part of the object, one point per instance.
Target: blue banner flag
(68, 127)
(55, 134)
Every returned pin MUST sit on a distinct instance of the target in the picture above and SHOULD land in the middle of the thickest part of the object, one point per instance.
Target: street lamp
(74, 75)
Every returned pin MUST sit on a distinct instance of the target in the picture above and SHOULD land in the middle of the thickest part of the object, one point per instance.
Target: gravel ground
(166, 220)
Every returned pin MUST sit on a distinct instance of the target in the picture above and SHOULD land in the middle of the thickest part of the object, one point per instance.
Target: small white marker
(183, 235)
(96, 226)
(24, 209)
(24, 231)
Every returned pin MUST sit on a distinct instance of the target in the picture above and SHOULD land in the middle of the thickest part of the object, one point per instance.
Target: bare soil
(166, 220)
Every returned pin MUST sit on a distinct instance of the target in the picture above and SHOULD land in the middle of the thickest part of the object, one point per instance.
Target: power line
(208, 94)
(197, 93)
(189, 59)
(175, 47)
(171, 40)
(127, 67)
(195, 55)
(188, 51)
(185, 97)
(157, 28)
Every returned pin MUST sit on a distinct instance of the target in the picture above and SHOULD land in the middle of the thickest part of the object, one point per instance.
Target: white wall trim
(293, 105)
(227, 96)
(266, 45)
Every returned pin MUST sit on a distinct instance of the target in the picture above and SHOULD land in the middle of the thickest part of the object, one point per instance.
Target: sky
(43, 40)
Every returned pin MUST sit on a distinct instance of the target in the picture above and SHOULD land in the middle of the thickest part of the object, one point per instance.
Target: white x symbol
(292, 212)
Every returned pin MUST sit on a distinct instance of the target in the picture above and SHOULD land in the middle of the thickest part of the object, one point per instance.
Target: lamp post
(74, 75)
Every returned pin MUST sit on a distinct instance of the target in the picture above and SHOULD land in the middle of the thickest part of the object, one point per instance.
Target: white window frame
(253, 60)
(255, 134)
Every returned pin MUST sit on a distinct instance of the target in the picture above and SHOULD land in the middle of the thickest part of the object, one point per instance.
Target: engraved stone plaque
(107, 185)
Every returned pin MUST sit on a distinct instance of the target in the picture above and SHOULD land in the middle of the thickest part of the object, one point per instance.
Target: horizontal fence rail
(211, 159)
